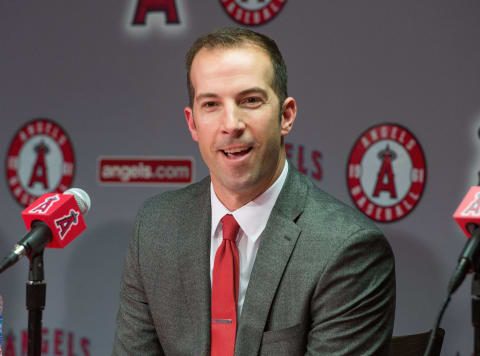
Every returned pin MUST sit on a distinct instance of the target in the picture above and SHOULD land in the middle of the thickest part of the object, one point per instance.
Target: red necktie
(225, 291)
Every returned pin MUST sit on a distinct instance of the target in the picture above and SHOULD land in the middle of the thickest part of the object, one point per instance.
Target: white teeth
(235, 150)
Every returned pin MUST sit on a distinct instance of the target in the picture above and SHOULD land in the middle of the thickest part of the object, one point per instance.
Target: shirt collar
(253, 216)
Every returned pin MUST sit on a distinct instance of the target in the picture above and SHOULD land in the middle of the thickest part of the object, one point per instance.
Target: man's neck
(233, 200)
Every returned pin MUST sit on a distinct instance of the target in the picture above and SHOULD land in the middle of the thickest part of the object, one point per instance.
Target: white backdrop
(119, 90)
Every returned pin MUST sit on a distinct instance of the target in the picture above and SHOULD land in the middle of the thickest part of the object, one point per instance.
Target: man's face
(236, 119)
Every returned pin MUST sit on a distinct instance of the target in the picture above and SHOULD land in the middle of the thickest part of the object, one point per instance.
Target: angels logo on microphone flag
(473, 208)
(469, 210)
(40, 160)
(64, 218)
(386, 172)
(45, 205)
(252, 12)
(65, 223)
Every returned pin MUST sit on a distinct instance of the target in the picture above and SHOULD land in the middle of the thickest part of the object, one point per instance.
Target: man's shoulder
(335, 211)
(331, 227)
(325, 212)
(173, 201)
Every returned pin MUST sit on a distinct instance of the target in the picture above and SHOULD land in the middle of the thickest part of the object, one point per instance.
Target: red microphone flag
(62, 215)
(468, 212)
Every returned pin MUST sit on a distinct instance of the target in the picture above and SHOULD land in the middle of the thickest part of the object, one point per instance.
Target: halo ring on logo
(20, 164)
(386, 172)
(252, 15)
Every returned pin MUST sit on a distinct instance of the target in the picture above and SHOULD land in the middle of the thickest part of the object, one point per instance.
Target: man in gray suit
(315, 276)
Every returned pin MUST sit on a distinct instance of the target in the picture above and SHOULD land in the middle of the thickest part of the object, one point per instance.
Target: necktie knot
(230, 227)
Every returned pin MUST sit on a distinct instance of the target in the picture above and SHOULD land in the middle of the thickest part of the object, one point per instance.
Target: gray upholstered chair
(416, 344)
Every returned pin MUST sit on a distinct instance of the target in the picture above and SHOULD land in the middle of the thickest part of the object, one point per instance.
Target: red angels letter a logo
(40, 169)
(386, 172)
(40, 160)
(146, 6)
(43, 207)
(64, 224)
(474, 207)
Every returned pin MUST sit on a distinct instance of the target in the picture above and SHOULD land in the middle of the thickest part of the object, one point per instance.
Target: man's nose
(233, 123)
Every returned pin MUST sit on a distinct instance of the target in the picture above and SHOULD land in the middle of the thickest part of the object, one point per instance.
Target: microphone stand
(36, 295)
(476, 311)
(475, 267)
(469, 261)
(476, 303)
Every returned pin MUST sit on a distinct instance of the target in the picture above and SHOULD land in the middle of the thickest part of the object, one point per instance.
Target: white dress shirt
(252, 218)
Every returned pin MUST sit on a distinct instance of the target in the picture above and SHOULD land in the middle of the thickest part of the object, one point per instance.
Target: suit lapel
(195, 269)
(276, 246)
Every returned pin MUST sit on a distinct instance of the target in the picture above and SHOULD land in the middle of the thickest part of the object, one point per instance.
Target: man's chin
(239, 187)
(245, 186)
(238, 184)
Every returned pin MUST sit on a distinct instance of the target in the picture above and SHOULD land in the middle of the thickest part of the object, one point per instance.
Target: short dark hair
(231, 37)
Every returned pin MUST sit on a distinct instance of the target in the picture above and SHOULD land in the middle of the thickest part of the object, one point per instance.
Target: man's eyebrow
(254, 90)
(206, 95)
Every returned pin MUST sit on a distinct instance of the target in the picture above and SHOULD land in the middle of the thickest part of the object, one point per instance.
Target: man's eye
(252, 101)
(209, 104)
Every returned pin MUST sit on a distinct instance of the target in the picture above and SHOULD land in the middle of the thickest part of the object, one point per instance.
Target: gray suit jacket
(323, 282)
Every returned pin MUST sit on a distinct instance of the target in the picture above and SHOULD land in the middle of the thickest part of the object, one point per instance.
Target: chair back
(416, 344)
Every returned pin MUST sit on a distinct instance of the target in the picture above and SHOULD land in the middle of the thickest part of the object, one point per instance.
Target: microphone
(53, 220)
(467, 217)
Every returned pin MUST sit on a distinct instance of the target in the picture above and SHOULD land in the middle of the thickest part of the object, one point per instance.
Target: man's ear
(191, 122)
(289, 113)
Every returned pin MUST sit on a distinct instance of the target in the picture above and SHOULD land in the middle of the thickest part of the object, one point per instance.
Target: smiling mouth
(237, 152)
